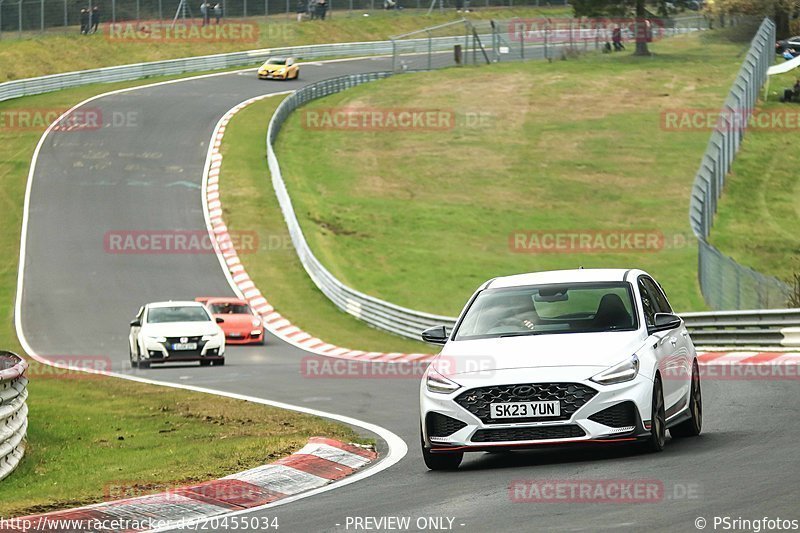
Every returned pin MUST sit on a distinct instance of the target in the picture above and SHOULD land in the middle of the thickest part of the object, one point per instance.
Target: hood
(180, 329)
(237, 321)
(600, 350)
(271, 68)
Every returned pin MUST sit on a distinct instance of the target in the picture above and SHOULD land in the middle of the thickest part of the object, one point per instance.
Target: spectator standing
(218, 11)
(84, 21)
(616, 38)
(302, 8)
(204, 12)
(322, 6)
(95, 18)
(312, 9)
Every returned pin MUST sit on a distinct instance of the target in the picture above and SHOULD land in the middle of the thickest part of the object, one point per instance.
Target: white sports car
(175, 332)
(563, 357)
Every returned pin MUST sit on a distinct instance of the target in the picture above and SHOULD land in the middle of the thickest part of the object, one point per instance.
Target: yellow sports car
(279, 68)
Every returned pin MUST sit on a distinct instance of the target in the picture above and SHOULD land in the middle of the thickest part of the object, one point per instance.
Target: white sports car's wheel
(134, 362)
(693, 426)
(658, 423)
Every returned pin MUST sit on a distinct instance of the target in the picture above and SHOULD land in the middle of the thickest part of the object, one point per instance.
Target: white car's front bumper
(468, 415)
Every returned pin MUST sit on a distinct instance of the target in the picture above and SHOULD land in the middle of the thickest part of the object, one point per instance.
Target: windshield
(158, 315)
(549, 309)
(230, 309)
(276, 61)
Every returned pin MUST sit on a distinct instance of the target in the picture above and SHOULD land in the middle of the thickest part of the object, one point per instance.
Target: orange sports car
(240, 323)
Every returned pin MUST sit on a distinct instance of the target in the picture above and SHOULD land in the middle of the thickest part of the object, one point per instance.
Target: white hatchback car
(175, 332)
(562, 357)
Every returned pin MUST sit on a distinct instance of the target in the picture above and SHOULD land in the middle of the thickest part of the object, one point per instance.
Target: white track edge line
(397, 446)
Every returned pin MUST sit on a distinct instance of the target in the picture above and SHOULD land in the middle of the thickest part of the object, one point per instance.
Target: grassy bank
(90, 438)
(759, 213)
(249, 204)
(421, 216)
(50, 53)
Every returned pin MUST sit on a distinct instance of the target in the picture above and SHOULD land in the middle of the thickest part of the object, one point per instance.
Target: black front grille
(617, 416)
(177, 340)
(571, 396)
(440, 425)
(534, 433)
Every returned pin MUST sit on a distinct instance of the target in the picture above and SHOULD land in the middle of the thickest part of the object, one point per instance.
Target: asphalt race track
(78, 300)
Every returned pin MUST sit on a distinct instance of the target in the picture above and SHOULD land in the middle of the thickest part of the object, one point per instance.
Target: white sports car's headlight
(435, 382)
(624, 371)
(156, 339)
(212, 336)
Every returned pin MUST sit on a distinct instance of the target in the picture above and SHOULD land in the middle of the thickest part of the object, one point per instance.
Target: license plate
(525, 409)
(235, 335)
(185, 346)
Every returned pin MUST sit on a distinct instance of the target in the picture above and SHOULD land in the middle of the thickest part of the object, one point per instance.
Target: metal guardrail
(726, 284)
(768, 327)
(376, 312)
(13, 411)
(56, 82)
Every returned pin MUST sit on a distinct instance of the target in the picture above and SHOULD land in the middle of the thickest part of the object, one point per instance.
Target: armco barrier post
(13, 411)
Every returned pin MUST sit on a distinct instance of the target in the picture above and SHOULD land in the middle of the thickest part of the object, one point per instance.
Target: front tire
(440, 461)
(658, 422)
(694, 425)
(134, 362)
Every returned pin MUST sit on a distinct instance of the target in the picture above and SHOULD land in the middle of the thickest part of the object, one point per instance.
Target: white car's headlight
(624, 371)
(435, 382)
(256, 322)
(212, 336)
(155, 338)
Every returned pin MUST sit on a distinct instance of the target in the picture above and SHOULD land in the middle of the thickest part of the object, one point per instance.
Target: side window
(661, 303)
(648, 303)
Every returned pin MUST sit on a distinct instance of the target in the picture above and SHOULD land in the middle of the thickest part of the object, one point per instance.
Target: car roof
(178, 303)
(226, 300)
(578, 275)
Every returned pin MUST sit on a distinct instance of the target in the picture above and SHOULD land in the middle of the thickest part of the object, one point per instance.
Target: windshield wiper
(520, 334)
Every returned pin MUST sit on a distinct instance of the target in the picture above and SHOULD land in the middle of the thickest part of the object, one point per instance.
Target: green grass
(91, 437)
(249, 204)
(759, 215)
(74, 453)
(50, 53)
(421, 218)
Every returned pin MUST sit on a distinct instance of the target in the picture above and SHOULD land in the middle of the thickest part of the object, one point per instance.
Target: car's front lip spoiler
(523, 445)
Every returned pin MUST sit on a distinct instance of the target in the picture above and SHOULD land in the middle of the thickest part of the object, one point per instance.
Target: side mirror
(666, 321)
(220, 320)
(136, 323)
(435, 335)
